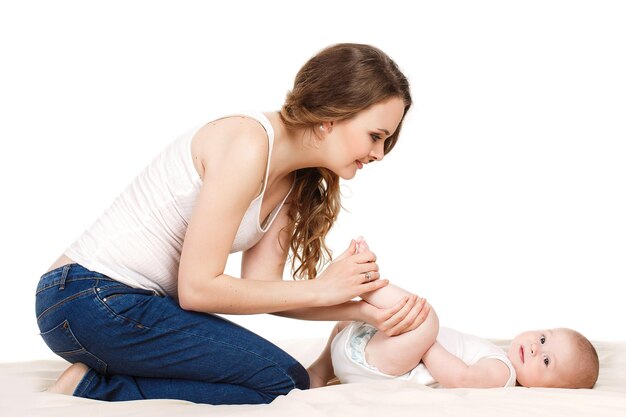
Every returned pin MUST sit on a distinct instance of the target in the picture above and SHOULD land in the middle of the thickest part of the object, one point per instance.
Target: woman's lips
(521, 353)
(359, 165)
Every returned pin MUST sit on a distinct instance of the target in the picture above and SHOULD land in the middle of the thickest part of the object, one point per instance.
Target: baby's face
(543, 358)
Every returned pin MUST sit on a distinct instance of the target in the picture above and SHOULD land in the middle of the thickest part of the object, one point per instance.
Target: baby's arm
(451, 372)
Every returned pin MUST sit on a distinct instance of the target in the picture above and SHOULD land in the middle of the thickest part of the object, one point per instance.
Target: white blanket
(22, 385)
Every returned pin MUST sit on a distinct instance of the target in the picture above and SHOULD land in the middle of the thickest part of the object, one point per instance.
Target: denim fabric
(140, 345)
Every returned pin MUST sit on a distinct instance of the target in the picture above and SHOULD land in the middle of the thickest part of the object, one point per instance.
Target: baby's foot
(69, 379)
(361, 245)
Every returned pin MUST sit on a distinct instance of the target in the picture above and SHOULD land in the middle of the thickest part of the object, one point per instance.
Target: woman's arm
(266, 261)
(451, 372)
(231, 180)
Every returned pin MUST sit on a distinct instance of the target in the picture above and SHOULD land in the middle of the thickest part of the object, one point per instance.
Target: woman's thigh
(116, 329)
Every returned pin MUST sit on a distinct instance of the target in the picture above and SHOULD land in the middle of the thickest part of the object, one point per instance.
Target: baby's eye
(546, 361)
(542, 339)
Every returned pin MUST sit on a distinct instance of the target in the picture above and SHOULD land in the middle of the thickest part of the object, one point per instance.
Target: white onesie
(348, 355)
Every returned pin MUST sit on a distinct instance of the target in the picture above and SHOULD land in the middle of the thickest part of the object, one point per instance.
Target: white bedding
(21, 386)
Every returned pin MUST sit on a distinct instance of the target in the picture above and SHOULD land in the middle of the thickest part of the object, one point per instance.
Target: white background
(503, 202)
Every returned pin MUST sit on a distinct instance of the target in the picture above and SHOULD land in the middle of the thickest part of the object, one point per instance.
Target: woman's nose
(378, 152)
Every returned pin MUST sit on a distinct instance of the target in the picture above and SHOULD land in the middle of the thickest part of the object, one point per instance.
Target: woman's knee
(296, 376)
(299, 376)
(287, 376)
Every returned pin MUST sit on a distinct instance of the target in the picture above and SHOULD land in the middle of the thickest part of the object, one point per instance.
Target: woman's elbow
(187, 300)
(191, 298)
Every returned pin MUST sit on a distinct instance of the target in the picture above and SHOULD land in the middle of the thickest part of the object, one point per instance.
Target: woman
(128, 303)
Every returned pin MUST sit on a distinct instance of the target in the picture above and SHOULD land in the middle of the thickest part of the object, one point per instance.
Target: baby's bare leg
(321, 371)
(397, 355)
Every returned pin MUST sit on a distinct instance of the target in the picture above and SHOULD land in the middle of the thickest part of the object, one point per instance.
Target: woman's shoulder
(235, 139)
(236, 130)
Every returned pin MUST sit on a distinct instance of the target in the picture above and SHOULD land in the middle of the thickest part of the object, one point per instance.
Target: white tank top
(138, 240)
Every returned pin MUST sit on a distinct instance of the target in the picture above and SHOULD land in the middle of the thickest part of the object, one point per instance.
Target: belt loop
(66, 270)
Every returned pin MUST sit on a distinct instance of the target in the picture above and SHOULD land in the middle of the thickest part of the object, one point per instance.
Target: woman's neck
(292, 149)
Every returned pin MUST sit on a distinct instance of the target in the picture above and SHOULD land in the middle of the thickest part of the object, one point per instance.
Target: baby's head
(557, 358)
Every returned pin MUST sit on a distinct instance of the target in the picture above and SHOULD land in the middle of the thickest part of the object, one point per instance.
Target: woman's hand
(406, 315)
(348, 276)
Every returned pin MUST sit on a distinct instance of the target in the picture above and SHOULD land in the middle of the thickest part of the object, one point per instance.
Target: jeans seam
(101, 366)
(64, 301)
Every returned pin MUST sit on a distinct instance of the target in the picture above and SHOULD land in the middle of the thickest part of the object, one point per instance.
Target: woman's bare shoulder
(238, 140)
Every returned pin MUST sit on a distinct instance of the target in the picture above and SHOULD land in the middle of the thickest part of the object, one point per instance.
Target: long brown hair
(336, 84)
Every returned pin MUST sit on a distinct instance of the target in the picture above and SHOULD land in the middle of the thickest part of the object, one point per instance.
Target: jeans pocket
(61, 340)
(125, 302)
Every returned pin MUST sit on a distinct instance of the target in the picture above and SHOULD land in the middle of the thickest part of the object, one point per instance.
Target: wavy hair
(334, 85)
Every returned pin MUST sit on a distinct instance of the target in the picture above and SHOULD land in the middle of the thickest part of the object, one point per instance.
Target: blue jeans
(140, 345)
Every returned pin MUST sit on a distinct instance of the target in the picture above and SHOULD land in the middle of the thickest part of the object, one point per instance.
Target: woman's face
(357, 141)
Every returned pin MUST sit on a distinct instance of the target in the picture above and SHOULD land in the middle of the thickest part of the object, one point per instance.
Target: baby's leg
(397, 355)
(321, 371)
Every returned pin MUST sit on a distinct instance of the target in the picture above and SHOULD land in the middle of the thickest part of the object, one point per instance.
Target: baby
(356, 352)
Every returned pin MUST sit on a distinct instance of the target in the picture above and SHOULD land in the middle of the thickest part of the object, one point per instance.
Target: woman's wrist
(316, 297)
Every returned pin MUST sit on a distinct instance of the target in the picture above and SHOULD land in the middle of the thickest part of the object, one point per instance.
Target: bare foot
(69, 379)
